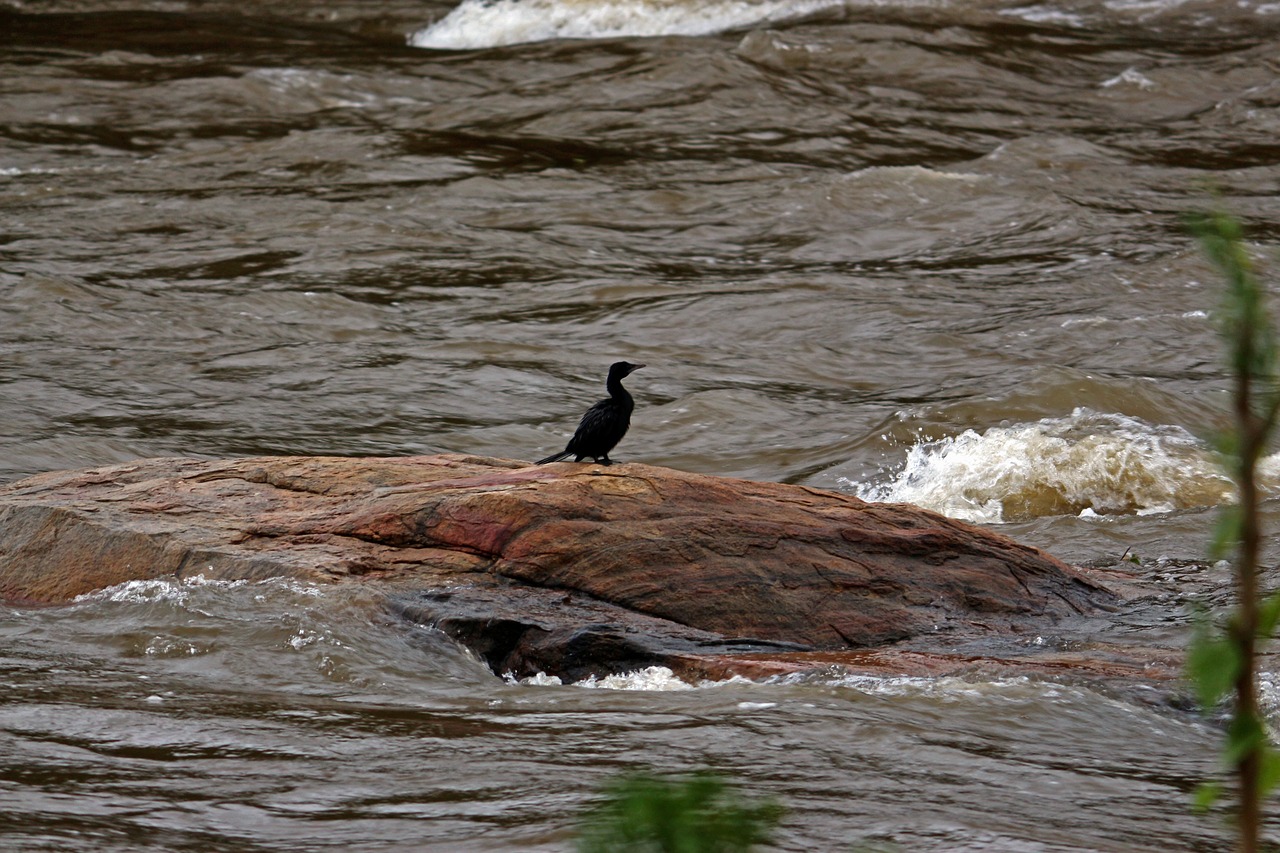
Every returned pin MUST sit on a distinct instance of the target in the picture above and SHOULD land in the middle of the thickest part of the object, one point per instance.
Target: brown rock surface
(567, 568)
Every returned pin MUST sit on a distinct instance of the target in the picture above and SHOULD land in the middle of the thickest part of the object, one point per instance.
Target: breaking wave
(1085, 464)
(475, 24)
(493, 23)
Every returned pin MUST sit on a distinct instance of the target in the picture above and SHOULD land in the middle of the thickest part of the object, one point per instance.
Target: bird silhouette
(605, 423)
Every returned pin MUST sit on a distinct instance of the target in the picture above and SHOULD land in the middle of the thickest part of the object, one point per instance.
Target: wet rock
(569, 569)
(525, 630)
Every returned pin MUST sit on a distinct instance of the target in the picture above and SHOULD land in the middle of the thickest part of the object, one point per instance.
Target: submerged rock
(569, 569)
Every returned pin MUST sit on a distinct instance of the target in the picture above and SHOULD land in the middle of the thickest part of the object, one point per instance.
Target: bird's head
(620, 369)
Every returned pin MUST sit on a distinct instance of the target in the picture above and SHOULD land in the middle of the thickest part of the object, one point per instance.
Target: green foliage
(1222, 661)
(1207, 793)
(1226, 533)
(1244, 321)
(1213, 664)
(1269, 775)
(1268, 616)
(697, 814)
(1245, 735)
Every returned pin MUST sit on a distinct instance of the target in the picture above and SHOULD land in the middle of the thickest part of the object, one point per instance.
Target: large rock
(566, 568)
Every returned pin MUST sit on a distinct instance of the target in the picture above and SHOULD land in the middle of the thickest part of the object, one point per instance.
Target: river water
(921, 251)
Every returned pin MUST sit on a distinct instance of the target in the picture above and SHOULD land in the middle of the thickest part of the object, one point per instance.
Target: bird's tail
(556, 458)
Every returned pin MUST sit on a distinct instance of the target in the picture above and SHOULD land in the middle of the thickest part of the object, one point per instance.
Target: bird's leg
(605, 460)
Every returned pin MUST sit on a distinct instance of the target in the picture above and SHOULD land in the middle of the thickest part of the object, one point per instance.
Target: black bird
(605, 423)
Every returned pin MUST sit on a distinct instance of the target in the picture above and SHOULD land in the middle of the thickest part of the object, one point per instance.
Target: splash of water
(649, 678)
(493, 23)
(1088, 463)
(178, 591)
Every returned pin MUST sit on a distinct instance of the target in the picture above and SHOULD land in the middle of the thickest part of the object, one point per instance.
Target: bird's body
(605, 423)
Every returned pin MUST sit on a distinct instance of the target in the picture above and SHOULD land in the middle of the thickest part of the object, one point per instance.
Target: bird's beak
(637, 366)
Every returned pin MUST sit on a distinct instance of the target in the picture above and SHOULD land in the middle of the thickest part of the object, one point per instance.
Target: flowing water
(914, 250)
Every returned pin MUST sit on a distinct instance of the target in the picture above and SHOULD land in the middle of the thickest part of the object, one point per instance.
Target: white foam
(1041, 14)
(910, 176)
(539, 680)
(179, 590)
(492, 23)
(655, 678)
(948, 688)
(649, 678)
(1144, 5)
(1130, 77)
(1086, 463)
(155, 589)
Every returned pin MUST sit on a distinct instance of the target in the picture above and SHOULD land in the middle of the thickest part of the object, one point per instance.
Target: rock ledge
(566, 568)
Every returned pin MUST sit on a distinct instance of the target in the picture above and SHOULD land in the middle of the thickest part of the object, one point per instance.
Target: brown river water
(918, 251)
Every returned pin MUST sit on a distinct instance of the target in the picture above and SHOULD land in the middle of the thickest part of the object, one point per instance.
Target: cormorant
(605, 423)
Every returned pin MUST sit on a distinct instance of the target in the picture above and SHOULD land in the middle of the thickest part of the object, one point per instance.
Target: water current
(913, 250)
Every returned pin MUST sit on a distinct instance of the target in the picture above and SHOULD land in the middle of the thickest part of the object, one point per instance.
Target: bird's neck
(617, 392)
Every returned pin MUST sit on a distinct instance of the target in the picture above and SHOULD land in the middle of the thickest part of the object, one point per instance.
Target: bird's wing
(595, 418)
